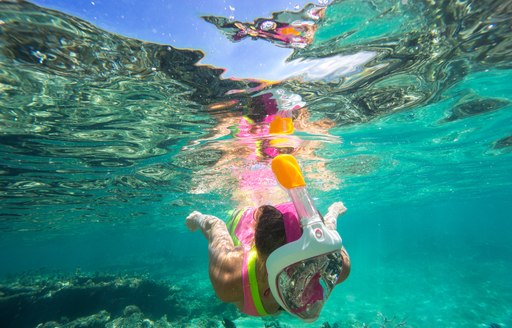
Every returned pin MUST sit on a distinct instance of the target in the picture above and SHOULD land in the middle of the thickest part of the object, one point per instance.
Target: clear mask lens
(305, 286)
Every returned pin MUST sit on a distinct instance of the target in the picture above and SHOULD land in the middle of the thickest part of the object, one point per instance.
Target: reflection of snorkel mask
(302, 274)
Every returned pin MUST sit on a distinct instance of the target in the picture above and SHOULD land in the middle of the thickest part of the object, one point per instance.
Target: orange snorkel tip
(287, 171)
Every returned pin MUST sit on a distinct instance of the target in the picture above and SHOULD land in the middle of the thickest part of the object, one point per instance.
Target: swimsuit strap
(233, 223)
(241, 229)
(257, 304)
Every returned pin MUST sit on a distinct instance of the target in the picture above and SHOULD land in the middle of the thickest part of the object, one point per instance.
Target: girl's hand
(337, 208)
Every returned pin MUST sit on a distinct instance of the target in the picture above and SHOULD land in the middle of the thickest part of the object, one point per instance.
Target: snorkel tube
(288, 173)
(302, 274)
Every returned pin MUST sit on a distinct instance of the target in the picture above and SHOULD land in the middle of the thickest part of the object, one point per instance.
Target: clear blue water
(107, 143)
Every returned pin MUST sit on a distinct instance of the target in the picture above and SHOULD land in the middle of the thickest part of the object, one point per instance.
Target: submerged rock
(135, 320)
(228, 323)
(90, 301)
(97, 320)
(131, 309)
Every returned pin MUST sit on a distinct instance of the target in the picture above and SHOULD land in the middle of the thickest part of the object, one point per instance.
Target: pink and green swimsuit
(241, 228)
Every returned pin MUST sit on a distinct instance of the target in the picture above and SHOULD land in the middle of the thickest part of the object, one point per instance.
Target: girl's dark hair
(269, 233)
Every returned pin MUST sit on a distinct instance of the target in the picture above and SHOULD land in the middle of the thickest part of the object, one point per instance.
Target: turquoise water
(107, 143)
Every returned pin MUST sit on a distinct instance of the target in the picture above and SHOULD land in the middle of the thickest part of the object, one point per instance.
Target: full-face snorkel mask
(302, 274)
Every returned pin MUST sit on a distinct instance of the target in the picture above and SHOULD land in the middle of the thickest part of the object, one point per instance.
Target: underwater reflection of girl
(238, 252)
(295, 34)
(246, 138)
(293, 30)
